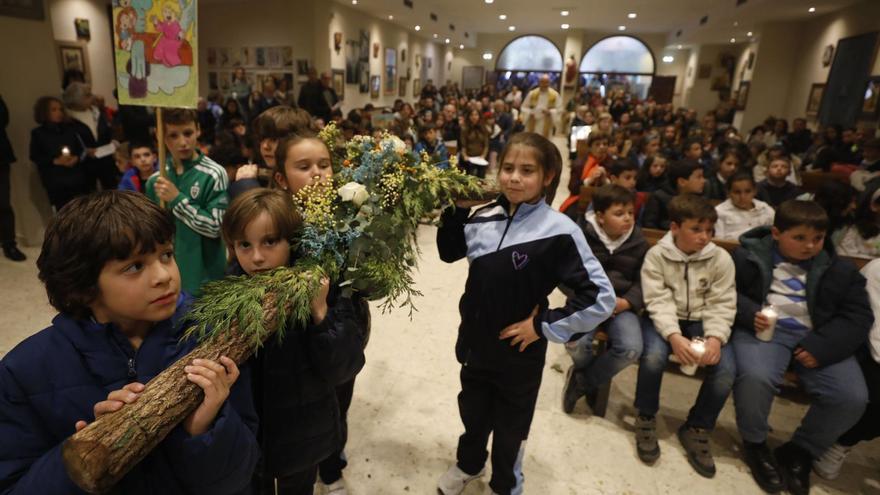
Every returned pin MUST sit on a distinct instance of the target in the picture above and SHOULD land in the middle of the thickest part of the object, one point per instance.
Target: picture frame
(73, 55)
(302, 67)
(827, 55)
(401, 87)
(375, 86)
(814, 100)
(390, 71)
(337, 42)
(375, 50)
(82, 29)
(871, 99)
(339, 83)
(25, 9)
(742, 96)
(417, 87)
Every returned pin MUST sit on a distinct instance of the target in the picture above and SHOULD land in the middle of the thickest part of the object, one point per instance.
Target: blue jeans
(838, 394)
(713, 393)
(625, 334)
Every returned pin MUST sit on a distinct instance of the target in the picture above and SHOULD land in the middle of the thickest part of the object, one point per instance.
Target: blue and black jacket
(515, 263)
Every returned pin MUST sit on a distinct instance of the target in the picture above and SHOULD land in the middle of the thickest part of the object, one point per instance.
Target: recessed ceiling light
(811, 9)
(390, 17)
(418, 28)
(632, 15)
(668, 59)
(354, 2)
(502, 16)
(564, 13)
(735, 23)
(461, 47)
(489, 1)
(733, 40)
(435, 36)
(679, 47)
(565, 26)
(621, 28)
(447, 41)
(511, 28)
(749, 33)
(487, 56)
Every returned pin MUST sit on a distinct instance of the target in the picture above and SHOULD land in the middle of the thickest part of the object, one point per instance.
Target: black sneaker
(795, 465)
(764, 469)
(12, 252)
(572, 390)
(646, 439)
(696, 444)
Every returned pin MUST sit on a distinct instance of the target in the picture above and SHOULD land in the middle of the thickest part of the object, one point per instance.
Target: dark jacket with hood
(294, 386)
(836, 297)
(623, 267)
(54, 378)
(656, 214)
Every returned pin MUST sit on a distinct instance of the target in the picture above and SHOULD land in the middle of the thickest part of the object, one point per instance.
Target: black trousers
(7, 217)
(103, 170)
(331, 468)
(868, 428)
(301, 483)
(501, 403)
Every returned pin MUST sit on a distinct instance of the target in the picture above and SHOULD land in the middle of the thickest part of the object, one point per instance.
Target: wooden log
(101, 454)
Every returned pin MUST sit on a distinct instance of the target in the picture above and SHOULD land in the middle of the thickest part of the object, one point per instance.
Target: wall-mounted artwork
(742, 97)
(401, 87)
(337, 42)
(261, 56)
(375, 50)
(82, 29)
(827, 55)
(872, 98)
(375, 86)
(814, 101)
(73, 56)
(417, 87)
(390, 72)
(302, 67)
(403, 55)
(339, 83)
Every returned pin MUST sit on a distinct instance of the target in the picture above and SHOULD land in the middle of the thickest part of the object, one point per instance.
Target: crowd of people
(115, 263)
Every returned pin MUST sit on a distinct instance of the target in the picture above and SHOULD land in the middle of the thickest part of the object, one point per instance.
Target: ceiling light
(487, 56)
(564, 13)
(461, 47)
(447, 41)
(354, 2)
(418, 28)
(679, 47)
(502, 16)
(435, 36)
(565, 26)
(735, 23)
(811, 9)
(632, 15)
(621, 28)
(489, 1)
(749, 33)
(668, 59)
(511, 28)
(733, 40)
(390, 17)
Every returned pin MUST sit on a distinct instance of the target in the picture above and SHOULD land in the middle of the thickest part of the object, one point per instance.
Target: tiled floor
(404, 420)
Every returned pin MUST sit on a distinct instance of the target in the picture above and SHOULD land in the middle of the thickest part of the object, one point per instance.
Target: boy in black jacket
(823, 317)
(619, 246)
(685, 177)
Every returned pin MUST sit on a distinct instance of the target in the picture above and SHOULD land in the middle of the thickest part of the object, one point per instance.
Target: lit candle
(65, 151)
(698, 345)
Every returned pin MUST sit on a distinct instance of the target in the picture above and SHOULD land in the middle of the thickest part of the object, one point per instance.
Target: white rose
(354, 192)
(397, 143)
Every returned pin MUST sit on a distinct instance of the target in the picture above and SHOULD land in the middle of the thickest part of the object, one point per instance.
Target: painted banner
(156, 50)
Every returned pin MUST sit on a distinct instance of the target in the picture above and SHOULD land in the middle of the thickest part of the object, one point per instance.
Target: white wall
(100, 47)
(698, 93)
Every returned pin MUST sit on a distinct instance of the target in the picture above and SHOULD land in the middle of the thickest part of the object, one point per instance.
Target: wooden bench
(812, 180)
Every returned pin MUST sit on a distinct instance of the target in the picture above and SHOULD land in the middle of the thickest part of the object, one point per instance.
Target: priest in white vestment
(541, 107)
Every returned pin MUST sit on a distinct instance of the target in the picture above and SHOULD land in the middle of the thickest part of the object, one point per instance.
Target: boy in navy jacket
(823, 317)
(108, 267)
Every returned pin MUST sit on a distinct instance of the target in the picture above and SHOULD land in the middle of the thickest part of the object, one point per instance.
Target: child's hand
(115, 400)
(621, 306)
(523, 332)
(713, 352)
(215, 379)
(319, 302)
(166, 190)
(248, 171)
(762, 323)
(805, 358)
(681, 347)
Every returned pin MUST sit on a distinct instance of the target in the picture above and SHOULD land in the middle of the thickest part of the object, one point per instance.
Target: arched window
(525, 59)
(618, 62)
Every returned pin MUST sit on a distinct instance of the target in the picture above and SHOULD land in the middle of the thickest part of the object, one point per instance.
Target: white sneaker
(453, 481)
(828, 465)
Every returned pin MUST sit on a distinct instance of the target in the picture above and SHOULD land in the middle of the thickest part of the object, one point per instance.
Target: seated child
(868, 428)
(620, 248)
(689, 292)
(430, 143)
(652, 175)
(295, 381)
(623, 173)
(776, 189)
(741, 212)
(141, 166)
(685, 177)
(716, 185)
(584, 172)
(762, 163)
(194, 189)
(862, 238)
(823, 317)
(108, 267)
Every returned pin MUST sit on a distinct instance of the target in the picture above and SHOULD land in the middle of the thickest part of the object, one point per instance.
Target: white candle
(698, 346)
(772, 315)
(65, 151)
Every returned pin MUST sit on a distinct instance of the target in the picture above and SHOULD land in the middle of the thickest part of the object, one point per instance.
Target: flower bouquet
(358, 228)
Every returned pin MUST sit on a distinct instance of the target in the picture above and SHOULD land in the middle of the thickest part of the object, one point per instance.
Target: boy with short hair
(823, 317)
(194, 189)
(142, 165)
(685, 177)
(430, 143)
(619, 246)
(624, 173)
(689, 292)
(108, 267)
(776, 188)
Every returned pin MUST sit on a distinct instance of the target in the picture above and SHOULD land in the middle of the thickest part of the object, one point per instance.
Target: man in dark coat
(7, 217)
(318, 96)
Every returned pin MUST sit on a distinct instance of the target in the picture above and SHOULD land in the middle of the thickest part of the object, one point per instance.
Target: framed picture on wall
(390, 71)
(73, 55)
(742, 97)
(871, 100)
(83, 32)
(417, 87)
(401, 87)
(339, 83)
(814, 101)
(375, 86)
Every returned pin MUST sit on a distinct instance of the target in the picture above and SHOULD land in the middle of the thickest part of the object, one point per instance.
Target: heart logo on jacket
(520, 260)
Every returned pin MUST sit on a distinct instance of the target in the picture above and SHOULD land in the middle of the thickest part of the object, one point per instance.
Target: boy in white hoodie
(689, 289)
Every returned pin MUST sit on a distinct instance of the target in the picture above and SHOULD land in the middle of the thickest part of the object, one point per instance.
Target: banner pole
(160, 146)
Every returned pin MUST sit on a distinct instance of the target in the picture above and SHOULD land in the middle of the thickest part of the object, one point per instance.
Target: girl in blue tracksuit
(519, 250)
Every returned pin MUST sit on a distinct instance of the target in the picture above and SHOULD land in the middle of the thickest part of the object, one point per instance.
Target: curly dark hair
(90, 231)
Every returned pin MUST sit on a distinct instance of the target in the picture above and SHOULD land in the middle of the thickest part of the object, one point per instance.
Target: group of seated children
(710, 309)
